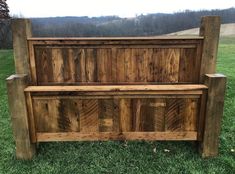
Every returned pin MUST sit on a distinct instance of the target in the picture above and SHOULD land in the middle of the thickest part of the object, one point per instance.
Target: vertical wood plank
(190, 114)
(159, 114)
(116, 115)
(41, 110)
(21, 30)
(214, 111)
(104, 66)
(17, 105)
(91, 68)
(130, 65)
(114, 69)
(58, 65)
(188, 65)
(72, 65)
(166, 65)
(210, 30)
(125, 115)
(106, 114)
(80, 63)
(68, 119)
(121, 65)
(44, 65)
(174, 115)
(89, 113)
(137, 104)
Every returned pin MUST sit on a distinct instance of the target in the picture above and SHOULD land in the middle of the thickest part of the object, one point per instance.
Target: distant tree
(5, 39)
(4, 10)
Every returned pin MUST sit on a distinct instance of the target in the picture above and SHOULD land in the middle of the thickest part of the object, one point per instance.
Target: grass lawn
(119, 157)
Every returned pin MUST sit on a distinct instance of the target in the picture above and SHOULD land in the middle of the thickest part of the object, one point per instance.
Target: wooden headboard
(130, 88)
(58, 61)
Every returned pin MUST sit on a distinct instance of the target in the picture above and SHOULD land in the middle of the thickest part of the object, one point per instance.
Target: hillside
(225, 30)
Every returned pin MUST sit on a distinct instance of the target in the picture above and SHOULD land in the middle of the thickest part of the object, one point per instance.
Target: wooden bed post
(210, 30)
(216, 84)
(21, 29)
(17, 105)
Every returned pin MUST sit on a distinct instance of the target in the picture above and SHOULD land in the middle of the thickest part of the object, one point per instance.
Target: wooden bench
(130, 88)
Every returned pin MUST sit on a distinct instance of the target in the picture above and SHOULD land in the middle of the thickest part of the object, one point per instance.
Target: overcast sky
(122, 8)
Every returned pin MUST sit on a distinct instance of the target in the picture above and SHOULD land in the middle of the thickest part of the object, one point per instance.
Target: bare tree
(4, 10)
(4, 25)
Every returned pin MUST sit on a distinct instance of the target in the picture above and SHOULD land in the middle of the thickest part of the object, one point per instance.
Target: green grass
(119, 157)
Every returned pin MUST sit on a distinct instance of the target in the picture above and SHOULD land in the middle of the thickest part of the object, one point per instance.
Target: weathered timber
(214, 111)
(18, 111)
(104, 136)
(210, 30)
(21, 30)
(119, 88)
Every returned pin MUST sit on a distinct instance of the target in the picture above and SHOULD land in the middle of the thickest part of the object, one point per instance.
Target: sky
(122, 8)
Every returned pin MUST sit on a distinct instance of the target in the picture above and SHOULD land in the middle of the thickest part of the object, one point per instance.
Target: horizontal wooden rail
(118, 38)
(104, 136)
(114, 88)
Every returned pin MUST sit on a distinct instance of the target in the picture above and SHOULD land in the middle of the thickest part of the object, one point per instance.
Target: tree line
(142, 25)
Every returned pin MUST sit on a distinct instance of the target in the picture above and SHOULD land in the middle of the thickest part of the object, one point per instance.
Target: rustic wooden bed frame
(130, 88)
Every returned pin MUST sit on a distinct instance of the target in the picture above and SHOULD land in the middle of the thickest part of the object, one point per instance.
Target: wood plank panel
(58, 65)
(116, 65)
(166, 65)
(46, 115)
(130, 65)
(120, 65)
(91, 65)
(188, 66)
(104, 65)
(174, 115)
(159, 106)
(106, 136)
(125, 111)
(190, 114)
(68, 120)
(44, 66)
(116, 88)
(80, 62)
(106, 115)
(89, 113)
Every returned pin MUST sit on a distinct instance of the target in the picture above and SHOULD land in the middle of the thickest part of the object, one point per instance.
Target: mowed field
(123, 157)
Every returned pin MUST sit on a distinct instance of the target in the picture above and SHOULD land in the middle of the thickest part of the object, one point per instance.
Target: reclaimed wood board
(56, 62)
(62, 114)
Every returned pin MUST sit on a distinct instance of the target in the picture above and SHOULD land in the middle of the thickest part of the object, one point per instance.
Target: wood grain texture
(214, 113)
(21, 30)
(210, 30)
(106, 136)
(127, 63)
(19, 118)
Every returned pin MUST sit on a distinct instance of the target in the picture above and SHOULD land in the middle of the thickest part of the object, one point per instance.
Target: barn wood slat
(106, 136)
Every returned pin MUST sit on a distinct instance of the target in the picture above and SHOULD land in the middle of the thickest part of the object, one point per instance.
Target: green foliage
(120, 157)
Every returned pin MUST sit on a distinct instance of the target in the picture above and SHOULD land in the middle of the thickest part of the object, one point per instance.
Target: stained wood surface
(210, 30)
(66, 114)
(21, 29)
(19, 119)
(115, 61)
(214, 111)
(116, 88)
(106, 136)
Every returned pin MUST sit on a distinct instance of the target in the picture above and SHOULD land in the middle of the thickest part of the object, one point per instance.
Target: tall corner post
(210, 30)
(21, 30)
(19, 119)
(216, 84)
